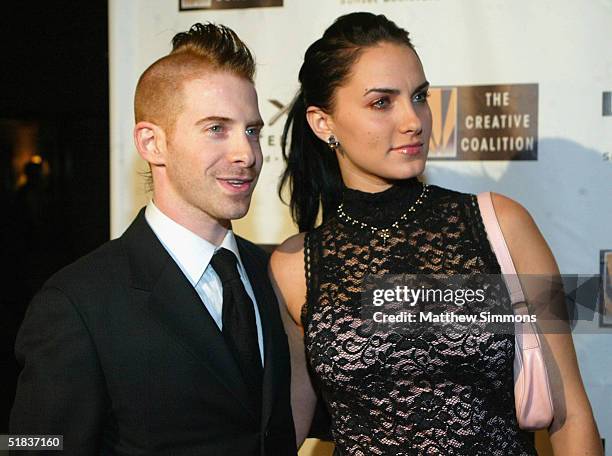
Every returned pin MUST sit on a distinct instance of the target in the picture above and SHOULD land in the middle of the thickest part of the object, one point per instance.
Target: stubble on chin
(229, 208)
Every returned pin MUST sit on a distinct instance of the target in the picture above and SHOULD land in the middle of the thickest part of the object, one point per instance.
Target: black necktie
(239, 327)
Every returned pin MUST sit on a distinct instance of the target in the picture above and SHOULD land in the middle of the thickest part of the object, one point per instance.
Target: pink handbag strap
(500, 248)
(526, 332)
(532, 389)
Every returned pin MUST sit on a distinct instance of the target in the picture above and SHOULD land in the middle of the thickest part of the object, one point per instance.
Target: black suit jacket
(121, 357)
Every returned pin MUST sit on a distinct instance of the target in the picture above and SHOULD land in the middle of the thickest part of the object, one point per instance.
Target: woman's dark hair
(312, 170)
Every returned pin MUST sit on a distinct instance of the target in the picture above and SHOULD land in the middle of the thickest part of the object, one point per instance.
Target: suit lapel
(176, 306)
(265, 301)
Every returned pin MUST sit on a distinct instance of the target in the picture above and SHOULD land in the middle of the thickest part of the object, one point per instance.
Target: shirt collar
(191, 252)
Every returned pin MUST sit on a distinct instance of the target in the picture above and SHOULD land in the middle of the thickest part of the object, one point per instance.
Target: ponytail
(312, 170)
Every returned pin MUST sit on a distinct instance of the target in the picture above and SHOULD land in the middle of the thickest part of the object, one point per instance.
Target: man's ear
(320, 122)
(150, 141)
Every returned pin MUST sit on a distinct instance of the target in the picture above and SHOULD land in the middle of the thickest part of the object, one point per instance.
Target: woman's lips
(409, 149)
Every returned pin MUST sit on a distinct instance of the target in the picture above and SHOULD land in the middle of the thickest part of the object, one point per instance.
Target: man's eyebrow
(214, 119)
(255, 123)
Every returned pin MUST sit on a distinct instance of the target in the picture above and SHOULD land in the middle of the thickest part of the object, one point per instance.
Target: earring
(332, 142)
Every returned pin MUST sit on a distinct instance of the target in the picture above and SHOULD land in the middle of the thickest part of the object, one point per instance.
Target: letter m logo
(443, 104)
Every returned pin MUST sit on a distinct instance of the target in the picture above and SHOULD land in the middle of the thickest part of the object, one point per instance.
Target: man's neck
(202, 224)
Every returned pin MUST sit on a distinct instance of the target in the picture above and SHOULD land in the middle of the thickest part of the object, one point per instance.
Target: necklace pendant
(385, 234)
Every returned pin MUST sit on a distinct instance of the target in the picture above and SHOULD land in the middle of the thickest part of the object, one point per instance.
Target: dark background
(54, 205)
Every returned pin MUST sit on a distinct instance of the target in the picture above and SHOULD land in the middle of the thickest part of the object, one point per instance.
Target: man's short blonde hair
(159, 97)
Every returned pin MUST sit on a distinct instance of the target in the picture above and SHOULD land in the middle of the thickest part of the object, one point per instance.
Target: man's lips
(236, 184)
(409, 149)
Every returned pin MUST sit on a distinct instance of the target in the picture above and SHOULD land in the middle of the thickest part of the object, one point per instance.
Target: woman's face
(381, 118)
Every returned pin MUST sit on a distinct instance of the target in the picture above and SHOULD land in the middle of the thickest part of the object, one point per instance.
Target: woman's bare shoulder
(528, 248)
(287, 274)
(288, 256)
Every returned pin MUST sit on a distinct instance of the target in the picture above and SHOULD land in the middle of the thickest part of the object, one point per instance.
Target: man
(168, 340)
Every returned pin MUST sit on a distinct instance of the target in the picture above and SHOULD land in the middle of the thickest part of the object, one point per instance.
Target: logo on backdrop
(496, 122)
(606, 106)
(272, 132)
(186, 5)
(443, 104)
(281, 109)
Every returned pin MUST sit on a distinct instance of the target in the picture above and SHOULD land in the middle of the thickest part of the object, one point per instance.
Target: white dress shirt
(192, 254)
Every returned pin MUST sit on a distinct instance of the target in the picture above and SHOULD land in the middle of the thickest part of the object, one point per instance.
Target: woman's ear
(320, 122)
(150, 142)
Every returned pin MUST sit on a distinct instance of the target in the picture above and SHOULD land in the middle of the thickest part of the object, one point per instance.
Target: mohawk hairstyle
(203, 47)
(219, 45)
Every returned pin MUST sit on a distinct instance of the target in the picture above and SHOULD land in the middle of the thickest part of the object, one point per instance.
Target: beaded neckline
(385, 231)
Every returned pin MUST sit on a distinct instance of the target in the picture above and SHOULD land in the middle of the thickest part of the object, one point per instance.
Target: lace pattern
(422, 393)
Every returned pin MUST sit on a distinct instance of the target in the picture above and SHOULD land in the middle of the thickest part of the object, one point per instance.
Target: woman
(359, 133)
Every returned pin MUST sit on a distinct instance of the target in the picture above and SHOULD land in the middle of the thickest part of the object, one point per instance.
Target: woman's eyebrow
(392, 91)
(420, 88)
(386, 90)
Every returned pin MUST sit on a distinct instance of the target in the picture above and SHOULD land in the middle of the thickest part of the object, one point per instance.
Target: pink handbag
(532, 392)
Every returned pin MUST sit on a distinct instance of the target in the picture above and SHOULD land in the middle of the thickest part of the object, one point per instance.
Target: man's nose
(244, 150)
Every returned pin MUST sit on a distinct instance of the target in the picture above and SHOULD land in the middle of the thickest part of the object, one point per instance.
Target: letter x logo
(281, 110)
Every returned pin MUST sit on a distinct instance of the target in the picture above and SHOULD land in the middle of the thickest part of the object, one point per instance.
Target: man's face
(213, 154)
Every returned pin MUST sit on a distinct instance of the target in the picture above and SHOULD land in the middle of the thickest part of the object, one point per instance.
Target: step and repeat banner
(521, 100)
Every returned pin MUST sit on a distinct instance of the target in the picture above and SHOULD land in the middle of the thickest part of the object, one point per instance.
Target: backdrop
(521, 102)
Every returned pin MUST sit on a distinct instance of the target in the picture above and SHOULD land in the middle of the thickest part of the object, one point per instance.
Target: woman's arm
(573, 430)
(288, 279)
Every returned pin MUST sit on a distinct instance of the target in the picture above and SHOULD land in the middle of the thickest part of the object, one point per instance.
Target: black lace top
(421, 392)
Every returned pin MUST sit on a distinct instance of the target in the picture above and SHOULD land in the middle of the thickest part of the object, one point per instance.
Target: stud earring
(332, 142)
